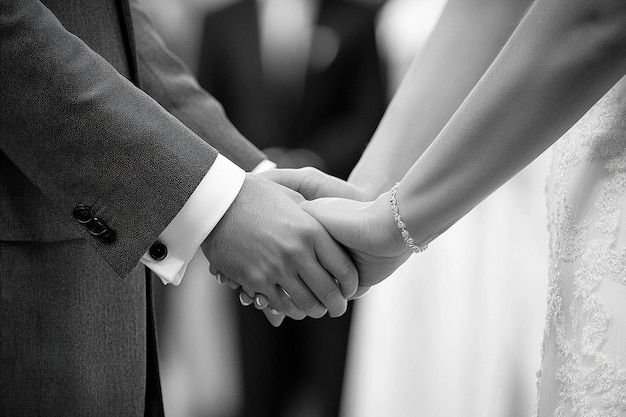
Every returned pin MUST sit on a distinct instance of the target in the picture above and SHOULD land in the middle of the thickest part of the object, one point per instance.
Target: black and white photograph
(313, 208)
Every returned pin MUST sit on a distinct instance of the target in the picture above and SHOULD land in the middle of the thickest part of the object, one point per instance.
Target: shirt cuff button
(158, 251)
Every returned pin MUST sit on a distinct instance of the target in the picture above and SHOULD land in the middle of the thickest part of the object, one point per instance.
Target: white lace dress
(584, 352)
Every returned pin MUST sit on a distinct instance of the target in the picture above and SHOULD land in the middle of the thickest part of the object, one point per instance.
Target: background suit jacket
(344, 91)
(76, 131)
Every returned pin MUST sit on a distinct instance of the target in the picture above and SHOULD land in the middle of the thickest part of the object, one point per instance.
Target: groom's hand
(267, 244)
(313, 183)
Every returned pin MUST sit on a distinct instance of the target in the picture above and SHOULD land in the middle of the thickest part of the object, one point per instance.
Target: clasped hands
(299, 243)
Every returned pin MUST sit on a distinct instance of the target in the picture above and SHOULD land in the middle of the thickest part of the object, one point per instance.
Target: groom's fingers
(325, 288)
(282, 303)
(290, 295)
(303, 296)
(360, 292)
(274, 319)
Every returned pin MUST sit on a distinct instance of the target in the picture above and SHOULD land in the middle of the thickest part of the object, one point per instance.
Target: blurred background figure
(302, 79)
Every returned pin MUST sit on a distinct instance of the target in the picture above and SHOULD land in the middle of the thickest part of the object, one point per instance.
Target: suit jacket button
(108, 237)
(158, 251)
(82, 213)
(97, 227)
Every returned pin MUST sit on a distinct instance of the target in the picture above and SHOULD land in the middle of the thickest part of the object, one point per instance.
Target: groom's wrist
(169, 256)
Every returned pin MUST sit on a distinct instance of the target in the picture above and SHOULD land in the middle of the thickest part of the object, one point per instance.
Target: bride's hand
(367, 230)
(313, 183)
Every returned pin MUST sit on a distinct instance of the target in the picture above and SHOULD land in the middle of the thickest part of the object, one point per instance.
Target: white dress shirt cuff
(264, 165)
(193, 223)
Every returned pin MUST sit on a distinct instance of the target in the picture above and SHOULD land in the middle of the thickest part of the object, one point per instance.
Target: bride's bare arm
(562, 58)
(466, 39)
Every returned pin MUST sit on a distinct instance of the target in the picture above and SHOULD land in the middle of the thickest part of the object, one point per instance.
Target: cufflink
(158, 251)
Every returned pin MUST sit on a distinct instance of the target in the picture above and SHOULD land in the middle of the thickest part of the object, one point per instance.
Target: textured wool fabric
(75, 129)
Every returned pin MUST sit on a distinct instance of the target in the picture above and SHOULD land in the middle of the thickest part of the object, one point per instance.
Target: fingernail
(258, 302)
(244, 302)
(222, 280)
(274, 312)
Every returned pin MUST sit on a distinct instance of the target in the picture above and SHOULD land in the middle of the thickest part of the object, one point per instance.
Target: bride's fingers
(274, 317)
(294, 179)
(218, 276)
(224, 279)
(261, 302)
(248, 292)
(290, 178)
(332, 210)
(313, 183)
(221, 279)
(245, 299)
(233, 284)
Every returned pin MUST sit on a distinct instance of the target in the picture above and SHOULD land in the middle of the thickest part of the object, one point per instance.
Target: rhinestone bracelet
(408, 240)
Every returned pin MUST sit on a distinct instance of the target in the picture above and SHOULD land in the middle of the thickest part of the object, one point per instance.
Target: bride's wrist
(389, 213)
(386, 224)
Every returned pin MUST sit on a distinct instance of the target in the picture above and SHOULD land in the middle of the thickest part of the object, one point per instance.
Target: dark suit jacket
(75, 129)
(344, 94)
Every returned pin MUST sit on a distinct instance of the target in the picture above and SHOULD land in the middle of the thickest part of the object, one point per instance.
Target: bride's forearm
(466, 39)
(561, 59)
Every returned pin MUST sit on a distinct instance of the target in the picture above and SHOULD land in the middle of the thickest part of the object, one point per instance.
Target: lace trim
(590, 383)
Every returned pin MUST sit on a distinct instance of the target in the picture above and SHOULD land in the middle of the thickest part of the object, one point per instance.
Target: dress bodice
(584, 353)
